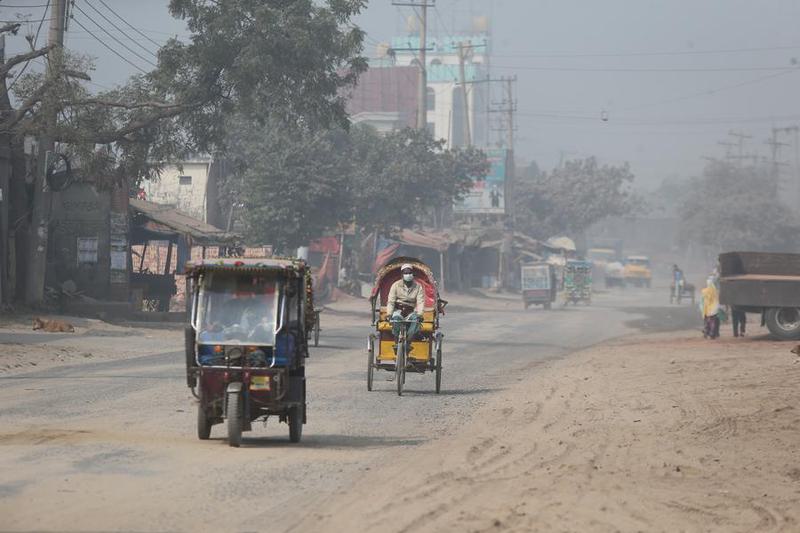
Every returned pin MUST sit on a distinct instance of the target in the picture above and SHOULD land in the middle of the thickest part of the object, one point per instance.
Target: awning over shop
(439, 240)
(157, 221)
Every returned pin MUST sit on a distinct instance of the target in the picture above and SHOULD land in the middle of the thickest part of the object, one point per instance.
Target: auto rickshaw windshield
(238, 309)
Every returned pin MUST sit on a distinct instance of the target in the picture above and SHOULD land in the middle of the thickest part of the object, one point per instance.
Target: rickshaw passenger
(406, 296)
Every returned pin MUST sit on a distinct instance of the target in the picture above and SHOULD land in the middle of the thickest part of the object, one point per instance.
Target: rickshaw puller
(406, 302)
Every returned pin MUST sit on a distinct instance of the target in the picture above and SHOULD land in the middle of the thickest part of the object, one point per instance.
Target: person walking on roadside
(710, 305)
(739, 320)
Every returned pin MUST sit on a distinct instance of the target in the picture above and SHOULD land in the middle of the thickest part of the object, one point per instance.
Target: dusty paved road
(112, 446)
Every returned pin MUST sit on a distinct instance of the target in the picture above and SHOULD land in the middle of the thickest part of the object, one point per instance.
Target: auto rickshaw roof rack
(288, 266)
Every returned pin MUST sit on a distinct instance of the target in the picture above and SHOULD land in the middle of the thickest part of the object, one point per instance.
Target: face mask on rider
(408, 277)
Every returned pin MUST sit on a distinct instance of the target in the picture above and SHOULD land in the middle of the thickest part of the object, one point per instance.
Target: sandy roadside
(648, 433)
(24, 350)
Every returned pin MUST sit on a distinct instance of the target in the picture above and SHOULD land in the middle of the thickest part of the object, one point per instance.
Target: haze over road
(112, 445)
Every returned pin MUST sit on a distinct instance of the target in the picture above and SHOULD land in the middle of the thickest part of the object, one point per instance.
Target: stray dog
(53, 326)
(796, 350)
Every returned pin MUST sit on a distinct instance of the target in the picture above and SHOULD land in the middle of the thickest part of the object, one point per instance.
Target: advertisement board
(488, 196)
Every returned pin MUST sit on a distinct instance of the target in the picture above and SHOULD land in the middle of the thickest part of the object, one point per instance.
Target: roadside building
(192, 187)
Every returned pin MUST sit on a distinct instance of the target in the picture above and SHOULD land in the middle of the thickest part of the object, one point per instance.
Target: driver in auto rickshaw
(406, 302)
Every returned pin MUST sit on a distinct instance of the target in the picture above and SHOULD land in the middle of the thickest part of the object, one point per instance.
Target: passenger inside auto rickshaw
(406, 302)
(246, 312)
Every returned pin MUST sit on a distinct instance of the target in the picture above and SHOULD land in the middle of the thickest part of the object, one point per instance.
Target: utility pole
(422, 87)
(5, 171)
(37, 253)
(775, 145)
(462, 76)
(740, 143)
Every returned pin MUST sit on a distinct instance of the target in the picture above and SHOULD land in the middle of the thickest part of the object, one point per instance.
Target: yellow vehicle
(421, 354)
(637, 271)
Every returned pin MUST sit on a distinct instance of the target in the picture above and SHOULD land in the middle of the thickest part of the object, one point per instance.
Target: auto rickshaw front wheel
(295, 423)
(234, 415)
(203, 422)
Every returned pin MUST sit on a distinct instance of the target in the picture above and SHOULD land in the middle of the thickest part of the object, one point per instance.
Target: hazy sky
(674, 76)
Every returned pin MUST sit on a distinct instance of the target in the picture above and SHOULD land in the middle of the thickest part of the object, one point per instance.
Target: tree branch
(124, 105)
(11, 27)
(22, 58)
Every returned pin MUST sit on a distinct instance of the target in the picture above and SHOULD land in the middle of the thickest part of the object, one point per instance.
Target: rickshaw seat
(427, 325)
(386, 326)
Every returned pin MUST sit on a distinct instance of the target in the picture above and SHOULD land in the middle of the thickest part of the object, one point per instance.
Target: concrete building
(191, 187)
(386, 95)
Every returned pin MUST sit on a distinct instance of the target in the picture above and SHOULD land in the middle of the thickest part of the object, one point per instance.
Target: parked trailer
(765, 283)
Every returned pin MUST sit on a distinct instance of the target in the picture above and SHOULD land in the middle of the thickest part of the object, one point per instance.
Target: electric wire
(137, 67)
(128, 48)
(136, 41)
(649, 54)
(35, 38)
(131, 26)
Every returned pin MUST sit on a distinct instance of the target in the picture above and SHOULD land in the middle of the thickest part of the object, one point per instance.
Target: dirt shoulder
(661, 432)
(24, 350)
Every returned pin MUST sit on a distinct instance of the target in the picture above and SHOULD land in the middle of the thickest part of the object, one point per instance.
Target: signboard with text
(488, 196)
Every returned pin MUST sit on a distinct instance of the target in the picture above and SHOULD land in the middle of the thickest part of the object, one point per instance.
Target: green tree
(573, 197)
(737, 208)
(292, 184)
(263, 58)
(401, 178)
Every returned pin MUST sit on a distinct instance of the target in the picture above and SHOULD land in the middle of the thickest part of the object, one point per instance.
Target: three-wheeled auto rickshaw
(246, 343)
(577, 282)
(421, 354)
(539, 285)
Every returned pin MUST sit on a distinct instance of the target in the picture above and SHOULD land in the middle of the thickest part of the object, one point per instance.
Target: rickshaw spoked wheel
(234, 414)
(370, 363)
(400, 365)
(316, 328)
(203, 422)
(295, 420)
(438, 370)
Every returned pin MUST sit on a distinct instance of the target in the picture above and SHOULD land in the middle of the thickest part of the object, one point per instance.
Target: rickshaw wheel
(295, 424)
(370, 364)
(400, 366)
(203, 423)
(316, 329)
(234, 419)
(438, 370)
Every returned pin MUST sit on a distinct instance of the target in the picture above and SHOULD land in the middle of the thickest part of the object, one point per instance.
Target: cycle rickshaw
(421, 354)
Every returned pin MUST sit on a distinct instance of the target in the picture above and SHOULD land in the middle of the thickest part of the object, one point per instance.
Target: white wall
(191, 199)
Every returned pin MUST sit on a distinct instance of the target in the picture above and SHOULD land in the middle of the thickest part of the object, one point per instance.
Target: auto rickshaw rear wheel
(295, 423)
(234, 415)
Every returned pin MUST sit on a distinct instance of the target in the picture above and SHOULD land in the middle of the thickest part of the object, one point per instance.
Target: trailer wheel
(784, 322)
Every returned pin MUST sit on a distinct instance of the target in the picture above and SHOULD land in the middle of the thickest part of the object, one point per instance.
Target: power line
(136, 41)
(710, 91)
(137, 67)
(648, 69)
(131, 26)
(128, 48)
(35, 38)
(650, 54)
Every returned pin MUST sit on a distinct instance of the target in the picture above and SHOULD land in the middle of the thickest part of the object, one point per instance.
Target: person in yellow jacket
(711, 310)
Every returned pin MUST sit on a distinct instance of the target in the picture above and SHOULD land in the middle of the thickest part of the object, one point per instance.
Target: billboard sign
(488, 196)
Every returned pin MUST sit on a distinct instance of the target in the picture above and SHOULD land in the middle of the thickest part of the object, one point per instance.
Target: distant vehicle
(601, 256)
(637, 271)
(577, 282)
(539, 285)
(615, 274)
(765, 283)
